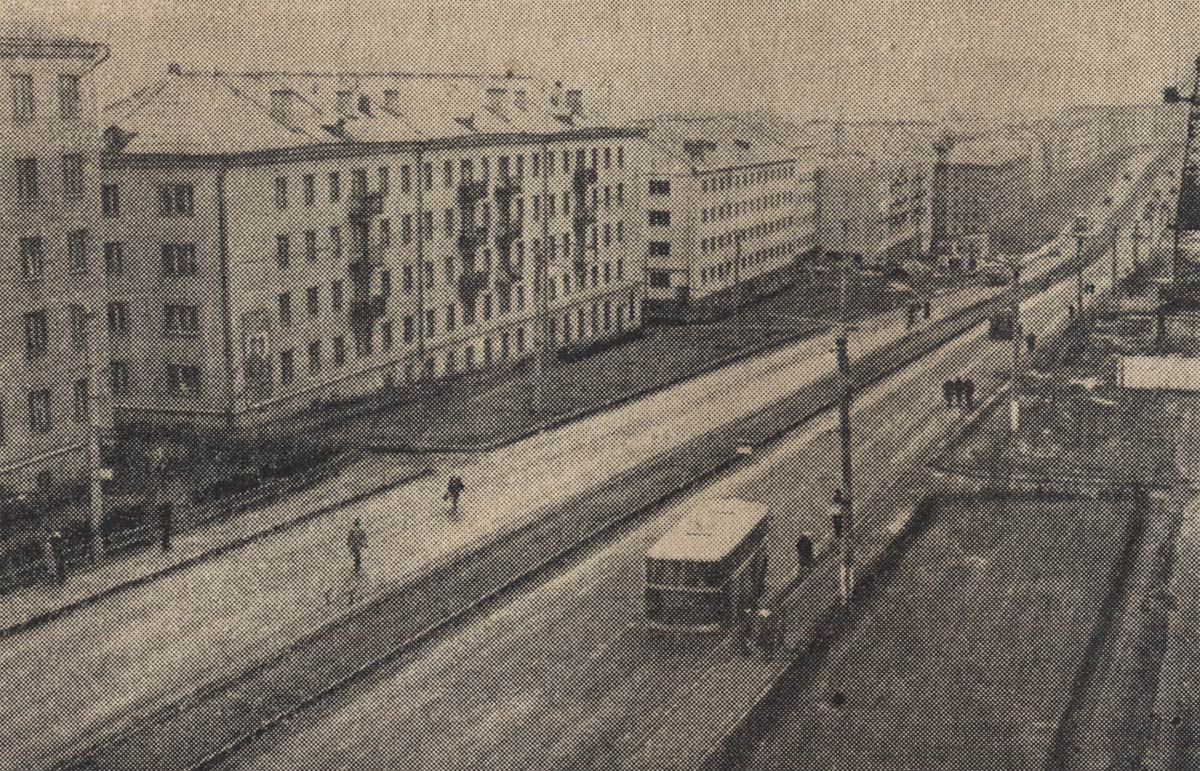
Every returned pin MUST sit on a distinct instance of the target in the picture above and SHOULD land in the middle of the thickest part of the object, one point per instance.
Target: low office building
(729, 211)
(52, 284)
(275, 241)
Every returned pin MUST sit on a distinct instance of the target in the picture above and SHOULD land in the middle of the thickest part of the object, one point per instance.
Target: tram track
(230, 715)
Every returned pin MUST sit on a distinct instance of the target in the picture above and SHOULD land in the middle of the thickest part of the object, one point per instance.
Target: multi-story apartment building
(277, 240)
(728, 211)
(53, 288)
(980, 182)
(875, 208)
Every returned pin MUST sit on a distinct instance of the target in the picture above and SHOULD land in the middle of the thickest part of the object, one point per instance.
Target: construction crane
(1185, 255)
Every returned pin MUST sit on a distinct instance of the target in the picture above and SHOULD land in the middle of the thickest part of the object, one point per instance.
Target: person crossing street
(454, 488)
(356, 541)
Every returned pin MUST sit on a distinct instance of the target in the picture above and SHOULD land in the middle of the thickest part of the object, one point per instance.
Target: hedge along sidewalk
(27, 608)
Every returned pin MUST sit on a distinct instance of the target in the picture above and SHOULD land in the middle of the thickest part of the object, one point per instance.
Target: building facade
(980, 183)
(278, 241)
(729, 210)
(51, 401)
(875, 209)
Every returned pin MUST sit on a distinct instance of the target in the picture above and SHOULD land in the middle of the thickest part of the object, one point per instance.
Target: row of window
(27, 182)
(611, 196)
(32, 253)
(726, 269)
(728, 210)
(735, 180)
(173, 199)
(761, 230)
(506, 168)
(23, 91)
(40, 409)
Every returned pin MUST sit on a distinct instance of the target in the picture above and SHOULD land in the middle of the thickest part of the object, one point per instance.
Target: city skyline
(860, 60)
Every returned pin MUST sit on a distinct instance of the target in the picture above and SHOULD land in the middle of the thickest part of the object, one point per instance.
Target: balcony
(507, 187)
(471, 193)
(507, 232)
(584, 177)
(471, 239)
(364, 206)
(366, 310)
(471, 283)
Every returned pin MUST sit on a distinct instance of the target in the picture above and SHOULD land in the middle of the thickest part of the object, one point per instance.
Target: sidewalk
(23, 609)
(143, 649)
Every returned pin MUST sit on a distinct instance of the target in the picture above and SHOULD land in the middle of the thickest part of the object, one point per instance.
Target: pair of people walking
(356, 539)
(959, 392)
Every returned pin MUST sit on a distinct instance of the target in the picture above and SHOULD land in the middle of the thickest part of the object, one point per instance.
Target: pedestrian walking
(766, 632)
(960, 391)
(356, 541)
(912, 315)
(804, 552)
(58, 557)
(948, 392)
(165, 515)
(454, 488)
(928, 308)
(1071, 311)
(969, 387)
(1030, 342)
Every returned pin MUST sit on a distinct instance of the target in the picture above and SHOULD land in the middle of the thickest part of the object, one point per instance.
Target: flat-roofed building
(289, 239)
(729, 210)
(53, 287)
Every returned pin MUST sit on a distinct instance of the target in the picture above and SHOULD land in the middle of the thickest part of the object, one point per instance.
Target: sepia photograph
(514, 385)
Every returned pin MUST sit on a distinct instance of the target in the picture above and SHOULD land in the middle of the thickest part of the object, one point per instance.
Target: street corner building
(277, 241)
(54, 335)
(730, 214)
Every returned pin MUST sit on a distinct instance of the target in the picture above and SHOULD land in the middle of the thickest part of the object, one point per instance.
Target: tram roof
(709, 531)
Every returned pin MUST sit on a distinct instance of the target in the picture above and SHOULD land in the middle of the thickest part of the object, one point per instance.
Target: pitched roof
(695, 145)
(214, 113)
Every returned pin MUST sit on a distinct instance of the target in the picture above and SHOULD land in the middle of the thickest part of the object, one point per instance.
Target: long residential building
(729, 210)
(52, 285)
(276, 240)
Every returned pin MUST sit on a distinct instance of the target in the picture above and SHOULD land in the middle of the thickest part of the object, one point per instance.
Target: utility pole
(95, 474)
(1014, 404)
(541, 288)
(1080, 237)
(1116, 281)
(846, 573)
(737, 289)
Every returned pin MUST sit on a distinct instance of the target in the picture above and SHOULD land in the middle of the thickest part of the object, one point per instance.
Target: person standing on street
(58, 557)
(837, 513)
(165, 512)
(969, 392)
(948, 392)
(454, 488)
(356, 541)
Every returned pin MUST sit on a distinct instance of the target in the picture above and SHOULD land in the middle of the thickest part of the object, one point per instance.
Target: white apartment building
(729, 212)
(276, 240)
(52, 286)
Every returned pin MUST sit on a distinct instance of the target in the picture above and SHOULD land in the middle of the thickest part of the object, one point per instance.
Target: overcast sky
(803, 59)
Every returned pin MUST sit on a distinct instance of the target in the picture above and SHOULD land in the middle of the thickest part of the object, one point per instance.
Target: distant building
(53, 316)
(729, 209)
(875, 208)
(279, 240)
(980, 182)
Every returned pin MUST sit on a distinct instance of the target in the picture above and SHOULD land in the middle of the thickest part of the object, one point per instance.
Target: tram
(707, 567)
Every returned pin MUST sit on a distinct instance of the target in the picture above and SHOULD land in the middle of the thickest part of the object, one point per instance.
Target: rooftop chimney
(174, 69)
(364, 104)
(495, 100)
(391, 100)
(282, 107)
(574, 102)
(344, 102)
(519, 99)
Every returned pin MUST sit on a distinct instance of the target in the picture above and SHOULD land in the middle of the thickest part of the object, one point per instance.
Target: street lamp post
(1014, 404)
(1080, 236)
(846, 572)
(737, 288)
(1116, 282)
(95, 475)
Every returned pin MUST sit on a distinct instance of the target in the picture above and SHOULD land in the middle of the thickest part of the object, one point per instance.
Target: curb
(595, 409)
(133, 583)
